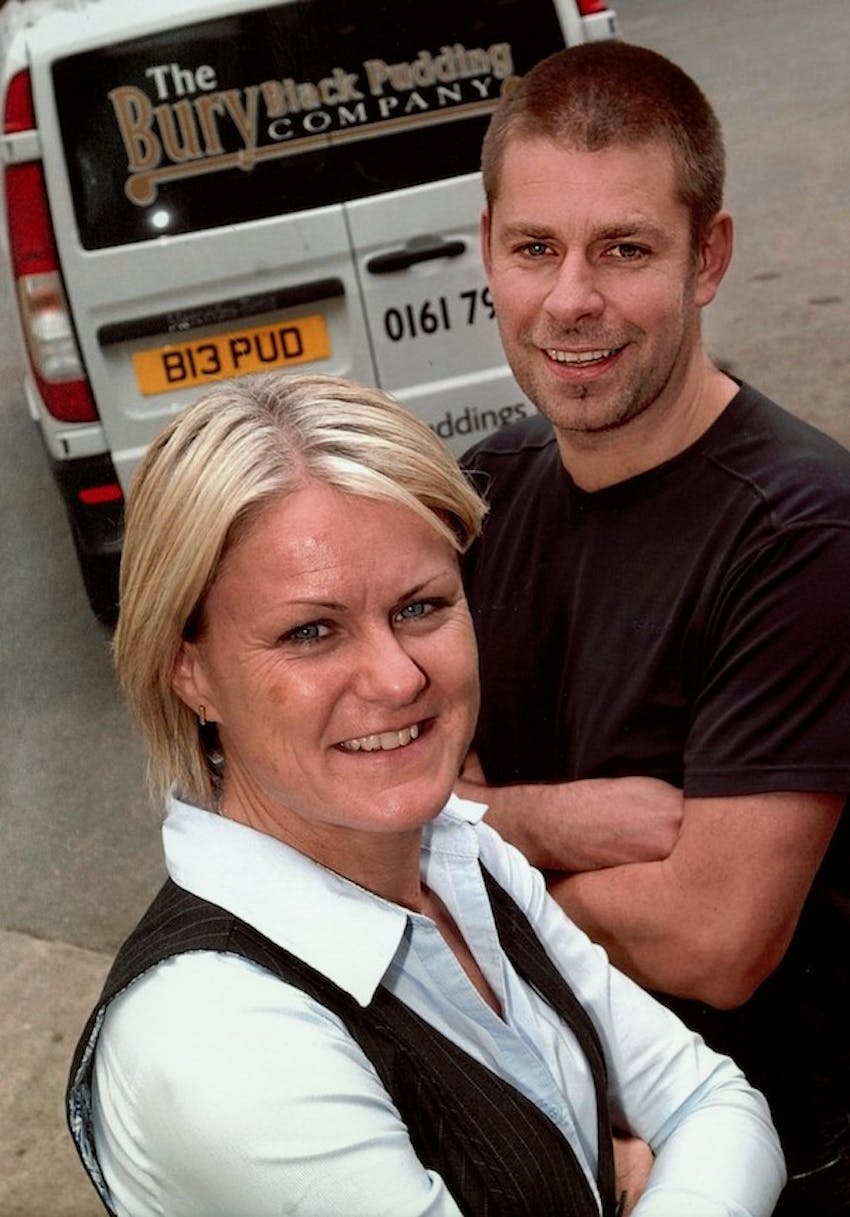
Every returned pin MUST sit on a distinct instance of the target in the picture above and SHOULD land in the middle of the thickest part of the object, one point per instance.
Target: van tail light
(586, 7)
(19, 112)
(46, 320)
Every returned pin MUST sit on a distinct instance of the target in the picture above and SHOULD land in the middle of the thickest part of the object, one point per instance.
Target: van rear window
(299, 105)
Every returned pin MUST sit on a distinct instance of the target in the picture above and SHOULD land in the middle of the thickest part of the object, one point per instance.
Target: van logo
(192, 127)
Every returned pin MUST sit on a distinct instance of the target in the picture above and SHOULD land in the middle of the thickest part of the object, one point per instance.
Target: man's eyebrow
(527, 230)
(630, 226)
(611, 230)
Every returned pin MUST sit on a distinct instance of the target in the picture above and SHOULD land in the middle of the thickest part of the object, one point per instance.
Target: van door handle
(401, 259)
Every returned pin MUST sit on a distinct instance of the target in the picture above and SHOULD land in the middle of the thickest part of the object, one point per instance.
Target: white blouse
(221, 1091)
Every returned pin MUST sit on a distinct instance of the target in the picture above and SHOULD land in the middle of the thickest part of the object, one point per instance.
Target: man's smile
(582, 358)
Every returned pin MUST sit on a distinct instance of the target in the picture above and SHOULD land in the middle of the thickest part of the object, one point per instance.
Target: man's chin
(595, 419)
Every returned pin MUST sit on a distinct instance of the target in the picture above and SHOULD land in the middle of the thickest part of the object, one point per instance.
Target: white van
(200, 190)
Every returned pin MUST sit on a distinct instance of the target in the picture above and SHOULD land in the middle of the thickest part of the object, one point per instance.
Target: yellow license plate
(180, 365)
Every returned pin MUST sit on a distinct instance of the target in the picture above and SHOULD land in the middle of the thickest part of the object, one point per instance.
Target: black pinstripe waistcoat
(499, 1155)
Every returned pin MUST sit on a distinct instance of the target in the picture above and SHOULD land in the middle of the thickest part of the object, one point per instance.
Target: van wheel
(100, 579)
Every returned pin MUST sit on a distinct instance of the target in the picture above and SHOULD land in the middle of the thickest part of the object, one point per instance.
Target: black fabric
(534, 966)
(690, 624)
(498, 1154)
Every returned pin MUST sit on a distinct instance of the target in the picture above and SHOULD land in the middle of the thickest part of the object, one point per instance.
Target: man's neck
(661, 432)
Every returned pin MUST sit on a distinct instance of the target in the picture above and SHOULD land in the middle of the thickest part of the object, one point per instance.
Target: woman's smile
(384, 741)
(339, 665)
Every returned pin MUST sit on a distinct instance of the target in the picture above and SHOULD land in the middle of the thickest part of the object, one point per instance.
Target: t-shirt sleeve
(772, 711)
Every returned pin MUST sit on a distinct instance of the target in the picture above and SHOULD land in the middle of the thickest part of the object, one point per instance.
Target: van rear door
(283, 185)
(194, 247)
(429, 313)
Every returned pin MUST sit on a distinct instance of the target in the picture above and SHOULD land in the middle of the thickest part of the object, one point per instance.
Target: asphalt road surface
(79, 854)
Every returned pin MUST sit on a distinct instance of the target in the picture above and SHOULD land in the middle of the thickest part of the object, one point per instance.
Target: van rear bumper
(97, 522)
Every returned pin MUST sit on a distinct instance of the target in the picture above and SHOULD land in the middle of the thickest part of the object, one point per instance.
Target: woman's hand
(633, 1161)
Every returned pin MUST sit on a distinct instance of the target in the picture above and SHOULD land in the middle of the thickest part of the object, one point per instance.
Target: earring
(202, 715)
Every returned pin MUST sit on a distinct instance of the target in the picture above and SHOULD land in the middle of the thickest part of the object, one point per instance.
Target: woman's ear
(189, 682)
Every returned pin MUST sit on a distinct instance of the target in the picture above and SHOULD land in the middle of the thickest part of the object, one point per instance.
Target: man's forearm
(713, 920)
(579, 826)
(642, 917)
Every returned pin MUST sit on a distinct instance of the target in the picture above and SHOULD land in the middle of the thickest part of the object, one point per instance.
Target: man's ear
(189, 681)
(485, 241)
(715, 254)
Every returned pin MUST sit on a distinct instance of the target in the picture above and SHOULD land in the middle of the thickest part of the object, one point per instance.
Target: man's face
(593, 274)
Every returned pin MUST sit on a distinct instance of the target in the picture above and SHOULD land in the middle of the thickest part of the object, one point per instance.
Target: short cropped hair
(202, 482)
(602, 94)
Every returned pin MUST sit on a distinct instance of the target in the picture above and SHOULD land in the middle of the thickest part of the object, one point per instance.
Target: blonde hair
(200, 484)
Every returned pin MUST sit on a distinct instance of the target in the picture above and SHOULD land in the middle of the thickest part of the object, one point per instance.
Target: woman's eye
(312, 631)
(419, 608)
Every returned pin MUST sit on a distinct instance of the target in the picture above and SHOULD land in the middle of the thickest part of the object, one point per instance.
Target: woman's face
(339, 663)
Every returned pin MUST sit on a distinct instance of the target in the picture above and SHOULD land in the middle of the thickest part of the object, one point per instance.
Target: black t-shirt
(691, 624)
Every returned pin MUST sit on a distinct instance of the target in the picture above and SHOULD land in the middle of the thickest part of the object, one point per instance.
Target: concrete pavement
(47, 991)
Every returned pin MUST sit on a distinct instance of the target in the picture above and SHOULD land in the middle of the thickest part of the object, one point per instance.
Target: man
(662, 597)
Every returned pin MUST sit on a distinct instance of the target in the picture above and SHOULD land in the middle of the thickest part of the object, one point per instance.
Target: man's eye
(626, 251)
(536, 249)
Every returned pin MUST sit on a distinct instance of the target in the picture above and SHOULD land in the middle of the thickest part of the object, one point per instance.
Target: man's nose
(575, 292)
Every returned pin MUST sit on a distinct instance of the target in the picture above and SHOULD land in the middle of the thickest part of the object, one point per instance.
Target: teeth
(579, 357)
(385, 741)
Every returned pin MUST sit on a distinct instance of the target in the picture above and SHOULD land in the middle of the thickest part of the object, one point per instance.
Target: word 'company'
(192, 126)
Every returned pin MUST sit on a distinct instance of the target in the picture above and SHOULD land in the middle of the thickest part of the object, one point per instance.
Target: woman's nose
(387, 672)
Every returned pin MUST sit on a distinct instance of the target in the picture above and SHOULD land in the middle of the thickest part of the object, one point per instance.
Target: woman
(351, 997)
